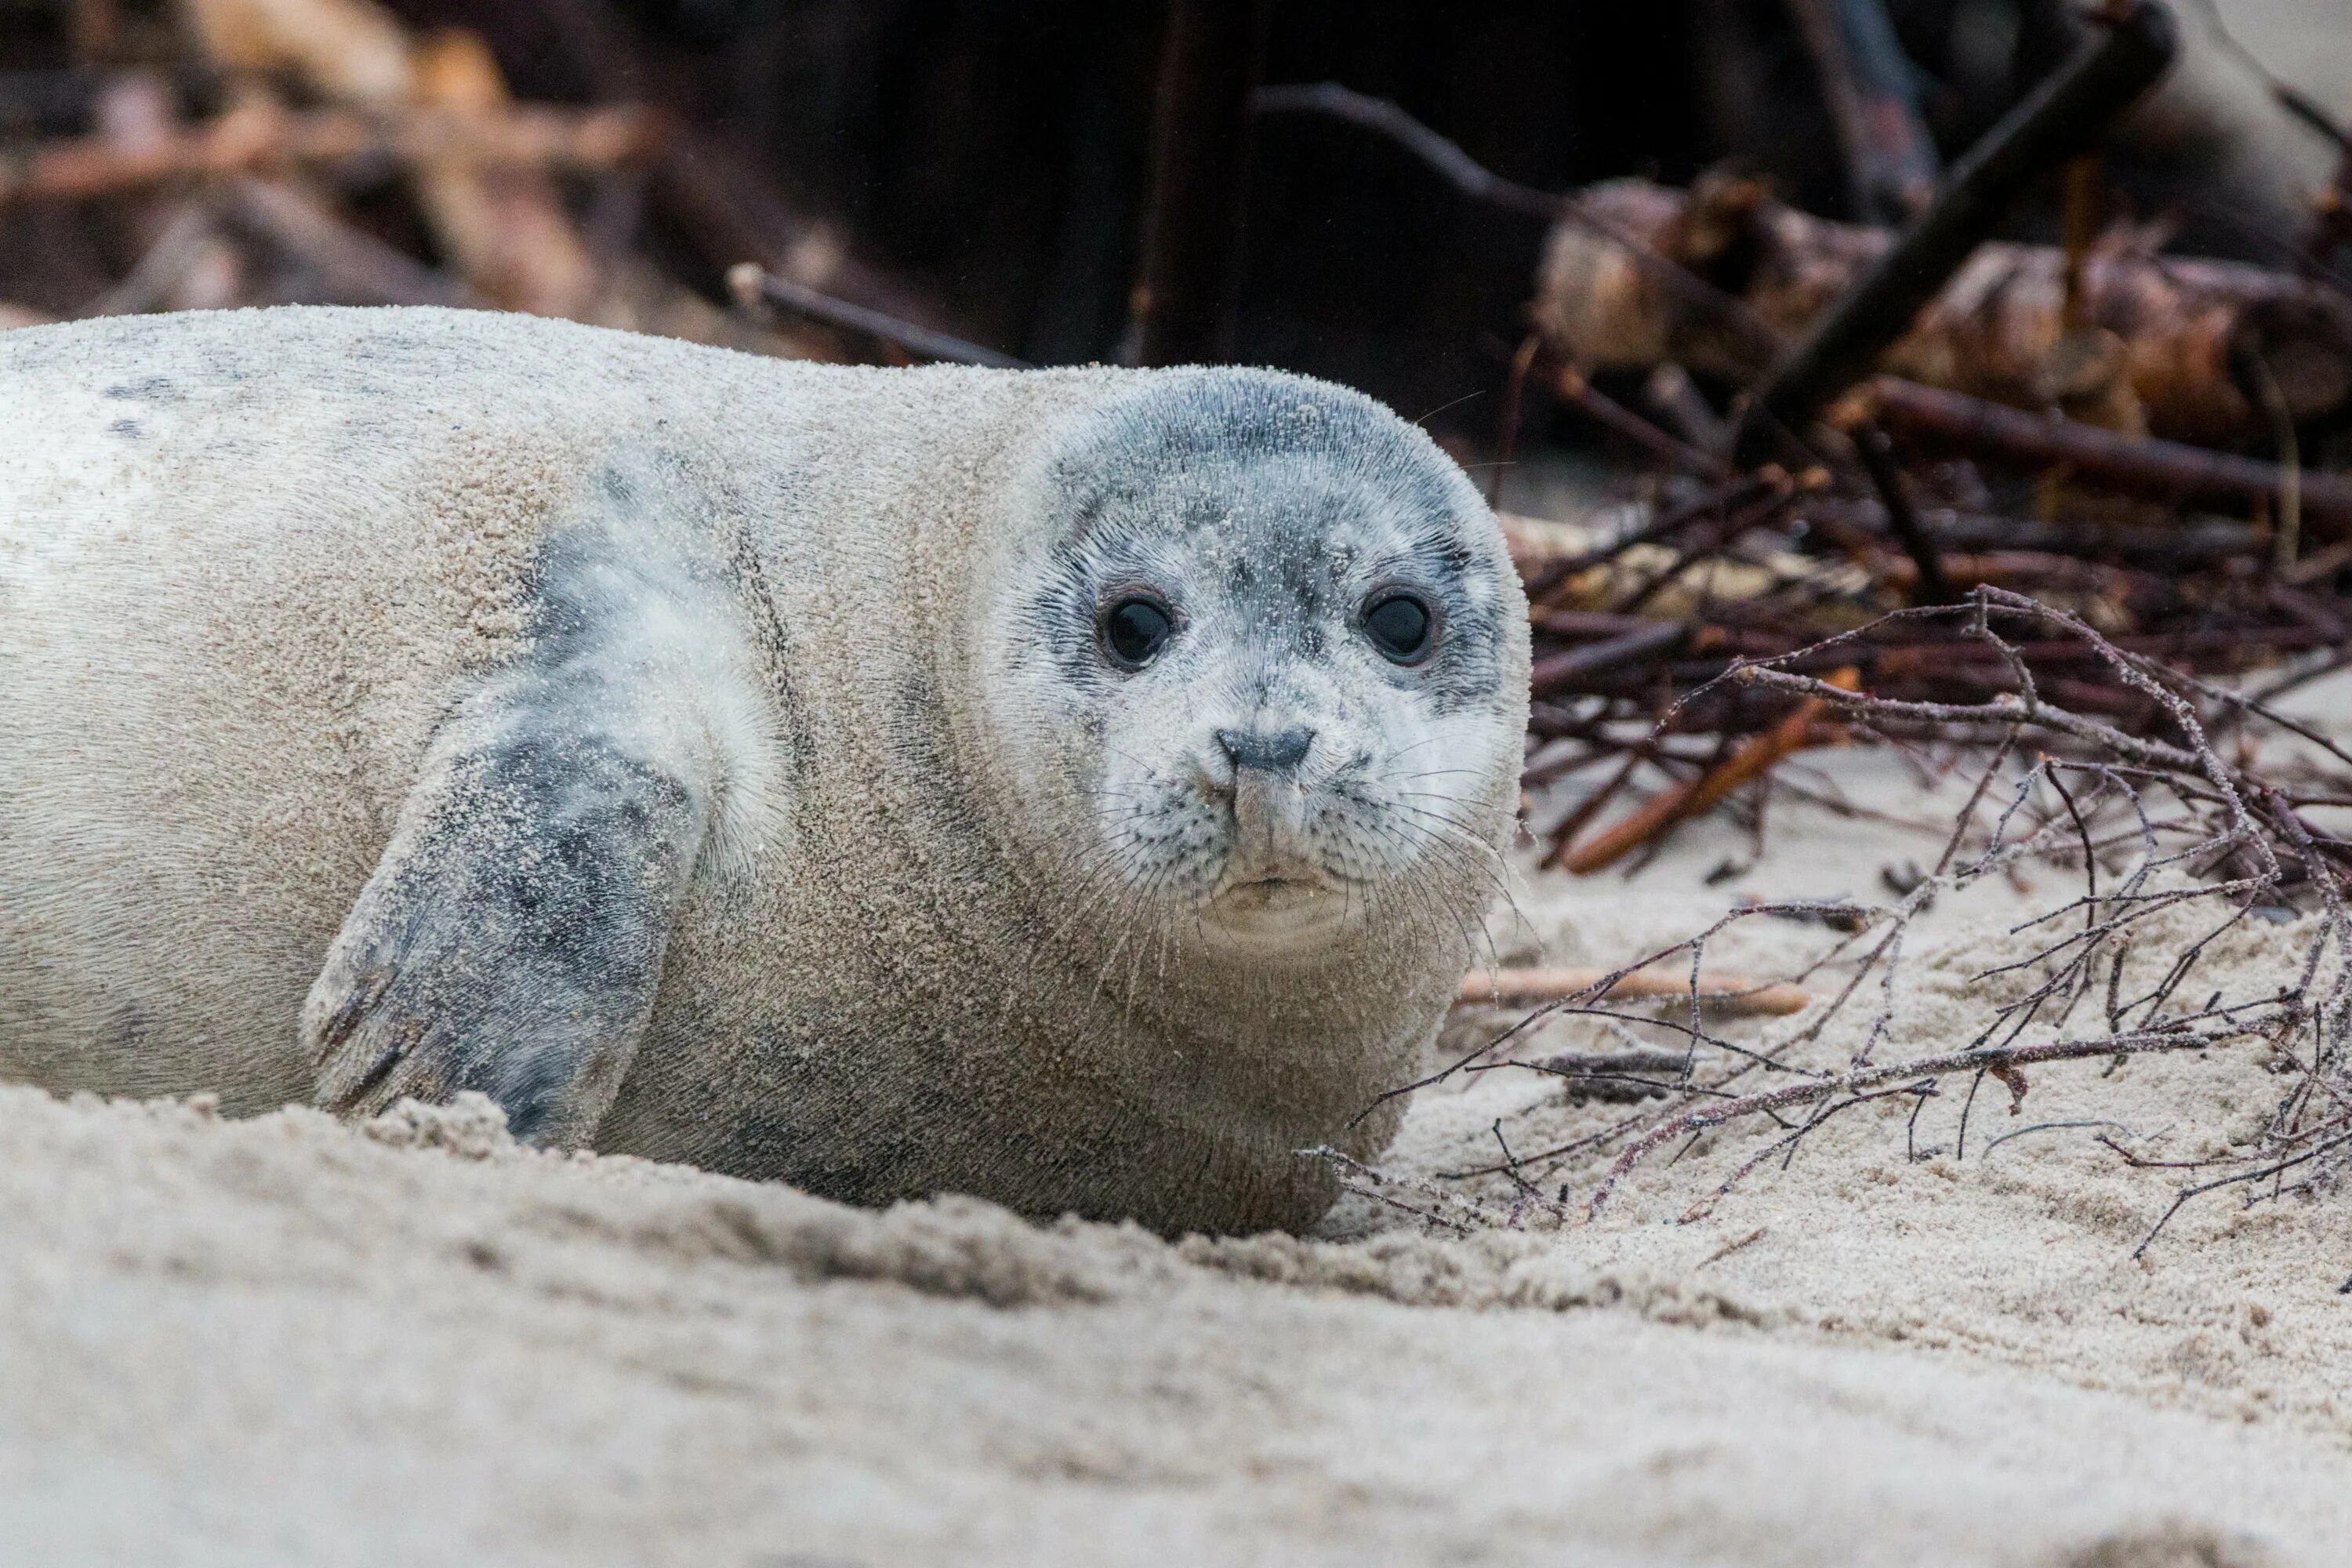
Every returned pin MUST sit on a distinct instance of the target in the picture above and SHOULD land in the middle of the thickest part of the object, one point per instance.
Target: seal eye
(1135, 630)
(1399, 625)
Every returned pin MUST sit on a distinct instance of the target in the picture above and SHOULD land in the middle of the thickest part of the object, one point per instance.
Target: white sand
(286, 1341)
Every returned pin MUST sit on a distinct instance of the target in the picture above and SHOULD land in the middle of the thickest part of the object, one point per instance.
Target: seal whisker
(1490, 859)
(1463, 923)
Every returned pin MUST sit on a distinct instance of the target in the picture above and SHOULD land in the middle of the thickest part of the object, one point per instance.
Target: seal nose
(1269, 801)
(1279, 752)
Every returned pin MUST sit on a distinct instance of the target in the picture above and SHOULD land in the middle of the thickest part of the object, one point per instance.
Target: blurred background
(984, 166)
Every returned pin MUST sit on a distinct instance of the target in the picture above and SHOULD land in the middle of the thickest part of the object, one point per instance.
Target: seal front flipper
(512, 938)
(513, 943)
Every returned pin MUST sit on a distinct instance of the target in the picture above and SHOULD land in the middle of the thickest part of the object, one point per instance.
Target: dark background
(986, 160)
(994, 151)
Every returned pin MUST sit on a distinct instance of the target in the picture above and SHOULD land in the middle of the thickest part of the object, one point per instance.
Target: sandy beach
(290, 1340)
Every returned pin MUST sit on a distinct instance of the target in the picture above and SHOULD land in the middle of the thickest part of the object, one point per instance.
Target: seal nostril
(1277, 752)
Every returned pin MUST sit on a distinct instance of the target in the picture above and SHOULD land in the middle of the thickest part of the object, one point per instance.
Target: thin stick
(754, 286)
(1699, 1118)
(1506, 424)
(1870, 89)
(1564, 836)
(1209, 64)
(1730, 994)
(1557, 671)
(1755, 758)
(1877, 456)
(1756, 342)
(1608, 412)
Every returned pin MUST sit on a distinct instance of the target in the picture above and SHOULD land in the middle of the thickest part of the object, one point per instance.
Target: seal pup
(1076, 788)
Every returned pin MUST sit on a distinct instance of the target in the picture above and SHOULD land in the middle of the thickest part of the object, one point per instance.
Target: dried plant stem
(1751, 761)
(1698, 1119)
(1723, 994)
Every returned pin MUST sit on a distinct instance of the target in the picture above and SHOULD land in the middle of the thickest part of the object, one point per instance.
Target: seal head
(1266, 666)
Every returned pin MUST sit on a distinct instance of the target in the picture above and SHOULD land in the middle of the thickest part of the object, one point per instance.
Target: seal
(1077, 788)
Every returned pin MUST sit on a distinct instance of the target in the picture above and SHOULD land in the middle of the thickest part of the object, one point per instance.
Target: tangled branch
(2158, 820)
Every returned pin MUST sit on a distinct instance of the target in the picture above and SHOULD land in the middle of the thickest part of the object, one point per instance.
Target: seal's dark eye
(1399, 625)
(1135, 630)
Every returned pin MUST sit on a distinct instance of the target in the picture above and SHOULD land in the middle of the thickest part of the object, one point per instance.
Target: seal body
(743, 763)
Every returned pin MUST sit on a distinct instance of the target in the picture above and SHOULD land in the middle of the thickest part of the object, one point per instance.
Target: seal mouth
(1268, 889)
(1276, 900)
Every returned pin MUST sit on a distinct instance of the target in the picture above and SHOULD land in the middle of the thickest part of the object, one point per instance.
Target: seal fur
(715, 759)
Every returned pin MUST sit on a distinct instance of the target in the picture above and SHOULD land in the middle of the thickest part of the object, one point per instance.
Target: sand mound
(289, 1340)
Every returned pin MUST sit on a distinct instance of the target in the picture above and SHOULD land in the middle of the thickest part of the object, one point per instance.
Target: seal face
(1265, 656)
(1076, 788)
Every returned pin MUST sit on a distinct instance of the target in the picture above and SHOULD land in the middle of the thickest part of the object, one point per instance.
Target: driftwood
(246, 205)
(262, 138)
(2060, 119)
(2164, 471)
(2186, 328)
(352, 51)
(504, 229)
